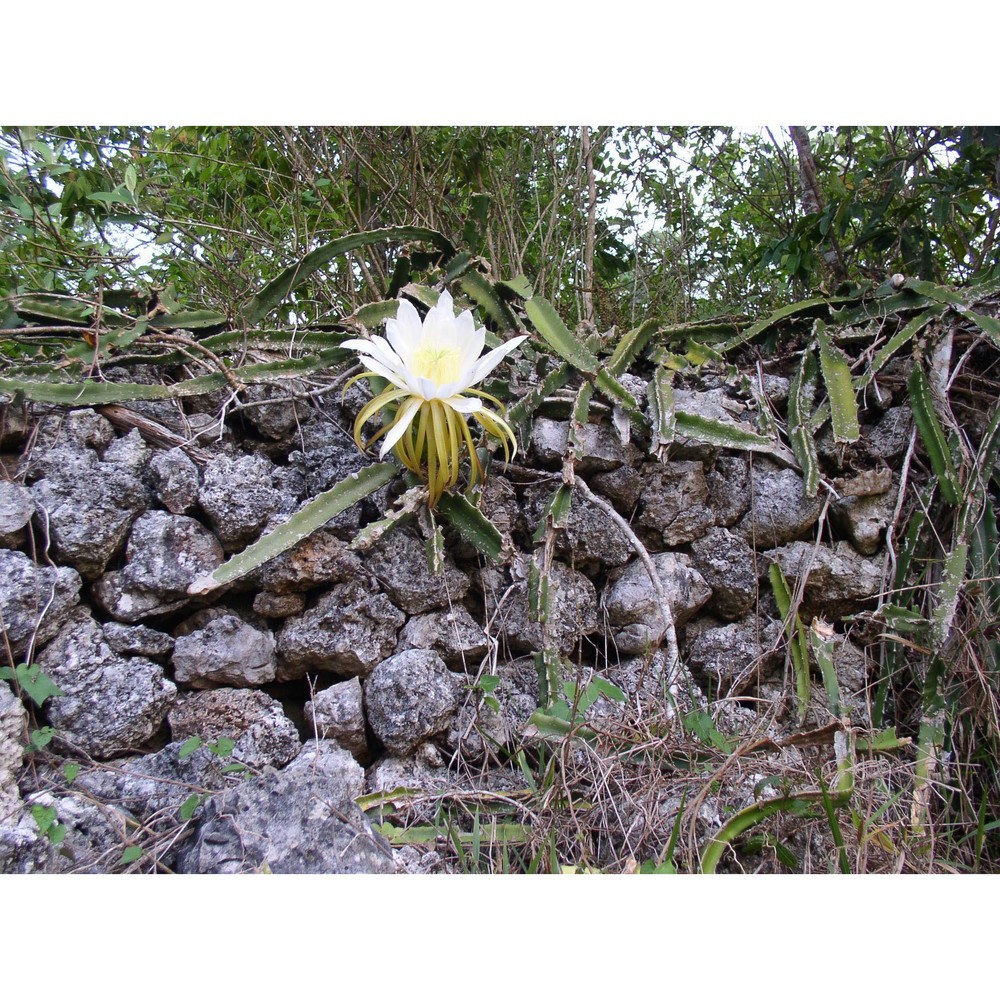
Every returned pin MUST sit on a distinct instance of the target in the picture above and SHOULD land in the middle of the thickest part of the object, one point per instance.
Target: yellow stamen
(437, 362)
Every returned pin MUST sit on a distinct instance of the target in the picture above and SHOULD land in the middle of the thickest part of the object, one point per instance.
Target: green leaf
(898, 340)
(519, 286)
(70, 770)
(932, 436)
(481, 291)
(631, 345)
(37, 686)
(276, 291)
(435, 552)
(188, 747)
(93, 393)
(197, 319)
(821, 640)
(376, 313)
(556, 512)
(800, 399)
(547, 322)
(222, 747)
(130, 854)
(472, 524)
(606, 688)
(721, 434)
(300, 525)
(840, 389)
(40, 737)
(234, 769)
(796, 636)
(131, 178)
(762, 326)
(189, 806)
(662, 417)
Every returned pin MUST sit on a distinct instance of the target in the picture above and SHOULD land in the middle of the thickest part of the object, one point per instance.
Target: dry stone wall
(335, 673)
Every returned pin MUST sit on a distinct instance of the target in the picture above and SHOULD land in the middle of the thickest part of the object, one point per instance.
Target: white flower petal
(464, 404)
(404, 332)
(403, 420)
(488, 362)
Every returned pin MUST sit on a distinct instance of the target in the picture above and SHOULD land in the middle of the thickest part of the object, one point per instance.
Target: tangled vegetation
(855, 262)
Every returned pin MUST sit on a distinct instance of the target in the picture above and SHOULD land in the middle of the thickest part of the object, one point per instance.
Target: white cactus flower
(433, 367)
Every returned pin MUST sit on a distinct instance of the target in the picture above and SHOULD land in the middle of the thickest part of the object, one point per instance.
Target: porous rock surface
(109, 703)
(299, 822)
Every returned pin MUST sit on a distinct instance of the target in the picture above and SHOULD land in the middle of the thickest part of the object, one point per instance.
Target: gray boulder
(779, 511)
(337, 713)
(36, 600)
(400, 563)
(735, 657)
(88, 507)
(574, 611)
(263, 734)
(602, 448)
(674, 504)
(409, 698)
(110, 703)
(174, 480)
(727, 565)
(838, 581)
(239, 498)
(633, 607)
(454, 635)
(349, 630)
(164, 555)
(227, 651)
(303, 822)
(16, 509)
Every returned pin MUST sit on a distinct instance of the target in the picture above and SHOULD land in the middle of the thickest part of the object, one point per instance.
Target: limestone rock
(94, 836)
(156, 784)
(225, 651)
(633, 608)
(337, 713)
(410, 697)
(602, 447)
(574, 611)
(674, 504)
(288, 823)
(164, 555)
(727, 565)
(399, 561)
(89, 507)
(110, 703)
(590, 539)
(263, 734)
(454, 635)
(16, 508)
(137, 640)
(330, 758)
(13, 720)
(270, 605)
(238, 497)
(174, 480)
(890, 437)
(349, 630)
(839, 580)
(478, 729)
(317, 561)
(779, 511)
(36, 600)
(735, 657)
(276, 414)
(728, 489)
(864, 519)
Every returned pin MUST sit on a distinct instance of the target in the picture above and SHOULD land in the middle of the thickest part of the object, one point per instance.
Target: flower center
(437, 362)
